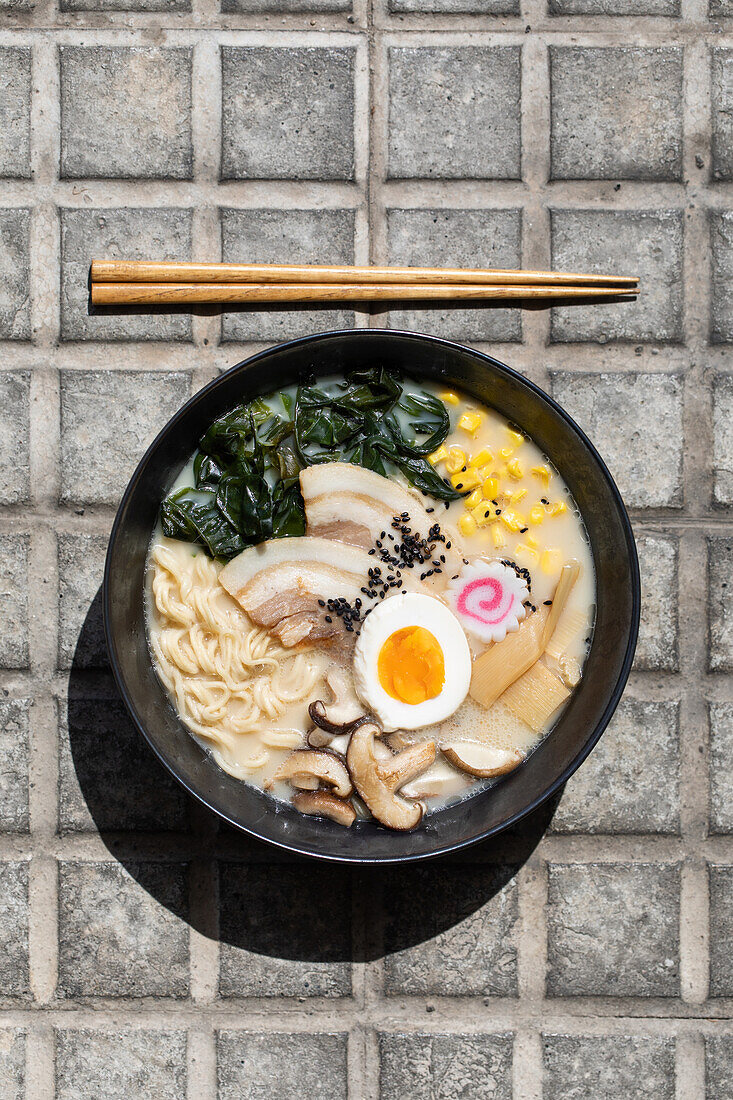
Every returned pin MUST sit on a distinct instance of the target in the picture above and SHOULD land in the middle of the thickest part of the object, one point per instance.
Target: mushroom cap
(325, 804)
(334, 722)
(483, 761)
(315, 764)
(388, 807)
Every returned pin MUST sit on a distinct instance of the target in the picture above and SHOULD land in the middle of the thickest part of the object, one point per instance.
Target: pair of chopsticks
(136, 283)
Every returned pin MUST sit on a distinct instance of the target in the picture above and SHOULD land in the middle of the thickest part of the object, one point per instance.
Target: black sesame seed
(523, 529)
(321, 603)
(429, 509)
(548, 603)
(329, 619)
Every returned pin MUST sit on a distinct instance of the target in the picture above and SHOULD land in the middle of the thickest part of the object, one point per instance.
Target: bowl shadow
(241, 891)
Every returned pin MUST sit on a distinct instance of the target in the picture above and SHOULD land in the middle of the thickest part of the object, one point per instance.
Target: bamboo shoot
(535, 697)
(504, 662)
(570, 625)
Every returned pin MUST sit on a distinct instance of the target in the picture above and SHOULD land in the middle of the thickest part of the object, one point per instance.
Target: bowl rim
(295, 848)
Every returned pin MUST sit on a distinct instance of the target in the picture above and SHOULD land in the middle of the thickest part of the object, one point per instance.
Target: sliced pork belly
(280, 582)
(354, 505)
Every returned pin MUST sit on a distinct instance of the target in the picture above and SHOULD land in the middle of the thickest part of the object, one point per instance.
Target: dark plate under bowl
(590, 708)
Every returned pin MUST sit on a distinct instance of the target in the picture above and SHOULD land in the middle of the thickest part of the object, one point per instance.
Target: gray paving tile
(414, 1065)
(613, 930)
(126, 112)
(307, 129)
(302, 1064)
(616, 113)
(454, 112)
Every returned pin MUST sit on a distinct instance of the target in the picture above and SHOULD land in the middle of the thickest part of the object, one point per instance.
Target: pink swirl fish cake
(488, 599)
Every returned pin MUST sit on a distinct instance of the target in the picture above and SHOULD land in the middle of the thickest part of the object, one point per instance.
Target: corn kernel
(516, 437)
(490, 488)
(551, 561)
(449, 397)
(497, 536)
(506, 452)
(474, 499)
(470, 422)
(521, 551)
(456, 460)
(514, 468)
(531, 541)
(482, 457)
(466, 524)
(536, 514)
(511, 520)
(483, 515)
(488, 471)
(465, 479)
(557, 508)
(517, 495)
(438, 456)
(543, 473)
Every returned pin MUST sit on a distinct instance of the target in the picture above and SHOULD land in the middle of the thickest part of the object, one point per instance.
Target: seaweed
(246, 486)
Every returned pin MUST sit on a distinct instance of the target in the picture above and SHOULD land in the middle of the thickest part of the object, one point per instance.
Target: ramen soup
(369, 597)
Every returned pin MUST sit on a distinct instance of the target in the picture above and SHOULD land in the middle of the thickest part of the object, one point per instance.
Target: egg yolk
(411, 665)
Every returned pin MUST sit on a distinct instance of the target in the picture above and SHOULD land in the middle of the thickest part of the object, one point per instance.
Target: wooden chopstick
(130, 271)
(151, 294)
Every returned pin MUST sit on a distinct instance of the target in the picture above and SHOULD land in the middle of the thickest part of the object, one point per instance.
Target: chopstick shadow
(279, 919)
(374, 308)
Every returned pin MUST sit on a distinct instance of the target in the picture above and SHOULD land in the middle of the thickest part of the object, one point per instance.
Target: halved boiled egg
(412, 664)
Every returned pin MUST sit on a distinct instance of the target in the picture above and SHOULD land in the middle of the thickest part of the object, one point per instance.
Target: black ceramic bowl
(590, 708)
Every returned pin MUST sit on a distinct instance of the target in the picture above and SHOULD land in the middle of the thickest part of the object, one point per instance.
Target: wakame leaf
(371, 388)
(368, 454)
(286, 463)
(185, 516)
(245, 503)
(273, 431)
(433, 421)
(288, 512)
(320, 421)
(207, 472)
(226, 435)
(422, 476)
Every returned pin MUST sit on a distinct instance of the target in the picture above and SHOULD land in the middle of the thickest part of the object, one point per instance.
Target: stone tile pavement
(144, 951)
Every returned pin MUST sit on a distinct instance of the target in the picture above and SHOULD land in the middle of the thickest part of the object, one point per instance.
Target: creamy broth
(246, 701)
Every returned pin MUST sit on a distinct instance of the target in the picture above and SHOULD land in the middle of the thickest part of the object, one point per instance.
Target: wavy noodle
(225, 675)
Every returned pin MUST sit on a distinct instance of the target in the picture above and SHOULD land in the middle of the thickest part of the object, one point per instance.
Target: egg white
(396, 613)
